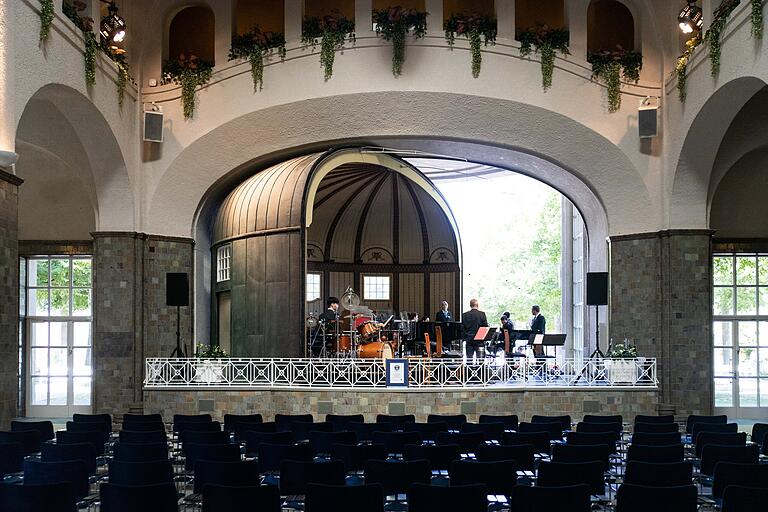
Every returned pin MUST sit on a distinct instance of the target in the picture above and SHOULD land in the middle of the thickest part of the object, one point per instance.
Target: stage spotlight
(690, 18)
(112, 27)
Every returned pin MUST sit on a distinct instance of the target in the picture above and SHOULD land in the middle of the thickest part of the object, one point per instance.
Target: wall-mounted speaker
(597, 288)
(176, 289)
(153, 126)
(648, 121)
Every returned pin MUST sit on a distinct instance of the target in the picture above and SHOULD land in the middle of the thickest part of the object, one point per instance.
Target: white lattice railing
(422, 373)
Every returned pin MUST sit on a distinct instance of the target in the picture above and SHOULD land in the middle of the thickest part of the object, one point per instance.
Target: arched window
(609, 24)
(192, 31)
(320, 8)
(269, 15)
(532, 13)
(483, 7)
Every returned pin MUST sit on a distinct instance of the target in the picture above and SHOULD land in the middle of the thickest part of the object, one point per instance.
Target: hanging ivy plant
(392, 24)
(715, 32)
(331, 30)
(546, 42)
(72, 11)
(255, 46)
(123, 73)
(681, 67)
(190, 72)
(757, 19)
(478, 29)
(46, 19)
(610, 66)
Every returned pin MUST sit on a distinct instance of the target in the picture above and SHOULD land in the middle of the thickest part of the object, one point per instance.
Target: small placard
(397, 373)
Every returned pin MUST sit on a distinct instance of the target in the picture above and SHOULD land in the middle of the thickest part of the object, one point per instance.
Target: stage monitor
(597, 288)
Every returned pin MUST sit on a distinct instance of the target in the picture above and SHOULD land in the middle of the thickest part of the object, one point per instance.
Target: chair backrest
(637, 498)
(739, 498)
(643, 453)
(397, 421)
(454, 421)
(96, 438)
(93, 418)
(590, 438)
(354, 457)
(554, 429)
(496, 476)
(396, 477)
(191, 418)
(615, 428)
(241, 428)
(139, 452)
(321, 442)
(283, 422)
(468, 441)
(564, 420)
(129, 498)
(88, 426)
(734, 473)
(571, 498)
(44, 427)
(582, 453)
(254, 439)
(344, 498)
(142, 418)
(658, 474)
(722, 438)
(197, 426)
(342, 421)
(539, 440)
(427, 431)
(693, 419)
(394, 442)
(140, 436)
(144, 426)
(141, 473)
(711, 454)
(364, 431)
(195, 437)
(230, 420)
(462, 498)
(240, 473)
(303, 429)
(55, 497)
(271, 455)
(11, 458)
(54, 452)
(656, 428)
(217, 498)
(648, 438)
(30, 440)
(611, 419)
(295, 475)
(758, 433)
(510, 421)
(522, 454)
(213, 452)
(558, 474)
(720, 428)
(439, 456)
(491, 431)
(74, 472)
(643, 418)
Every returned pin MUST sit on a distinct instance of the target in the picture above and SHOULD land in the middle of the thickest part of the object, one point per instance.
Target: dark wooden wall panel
(412, 293)
(239, 299)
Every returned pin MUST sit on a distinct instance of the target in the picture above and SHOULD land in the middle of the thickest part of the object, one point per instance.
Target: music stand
(554, 340)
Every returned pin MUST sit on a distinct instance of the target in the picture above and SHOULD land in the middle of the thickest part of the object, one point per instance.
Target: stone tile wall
(9, 297)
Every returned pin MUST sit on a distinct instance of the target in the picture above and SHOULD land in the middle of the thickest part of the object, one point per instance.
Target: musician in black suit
(330, 320)
(472, 320)
(538, 322)
(444, 315)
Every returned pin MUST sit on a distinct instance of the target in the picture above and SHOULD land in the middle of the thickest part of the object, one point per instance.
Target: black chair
(695, 418)
(11, 458)
(140, 436)
(94, 437)
(730, 439)
(230, 420)
(498, 477)
(510, 421)
(254, 439)
(397, 421)
(719, 428)
(141, 473)
(54, 452)
(539, 440)
(296, 475)
(139, 452)
(364, 431)
(491, 431)
(590, 438)
(564, 420)
(198, 426)
(641, 498)
(468, 441)
(191, 418)
(302, 430)
(104, 428)
(758, 433)
(244, 473)
(394, 442)
(712, 454)
(30, 440)
(45, 428)
(453, 421)
(283, 422)
(727, 474)
(344, 498)
(194, 437)
(610, 419)
(321, 442)
(210, 452)
(553, 429)
(642, 453)
(656, 428)
(93, 418)
(738, 498)
(598, 427)
(572, 498)
(74, 472)
(56, 497)
(342, 421)
(242, 428)
(271, 455)
(642, 418)
(522, 454)
(655, 474)
(395, 477)
(463, 498)
(439, 457)
(559, 474)
(130, 498)
(142, 418)
(354, 457)
(656, 439)
(144, 426)
(224, 498)
(427, 431)
(582, 453)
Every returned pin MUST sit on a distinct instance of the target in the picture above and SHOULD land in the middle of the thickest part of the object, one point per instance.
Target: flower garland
(46, 19)
(757, 19)
(332, 30)
(475, 27)
(715, 30)
(610, 66)
(85, 24)
(189, 72)
(681, 67)
(253, 46)
(546, 42)
(392, 24)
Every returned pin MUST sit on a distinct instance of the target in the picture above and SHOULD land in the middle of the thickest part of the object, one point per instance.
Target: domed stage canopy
(332, 220)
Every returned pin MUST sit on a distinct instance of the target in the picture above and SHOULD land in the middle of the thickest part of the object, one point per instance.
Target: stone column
(435, 18)
(364, 18)
(9, 297)
(576, 20)
(505, 20)
(294, 13)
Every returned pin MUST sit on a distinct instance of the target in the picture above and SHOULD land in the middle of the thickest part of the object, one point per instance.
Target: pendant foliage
(190, 72)
(478, 29)
(331, 31)
(611, 66)
(393, 24)
(255, 46)
(546, 42)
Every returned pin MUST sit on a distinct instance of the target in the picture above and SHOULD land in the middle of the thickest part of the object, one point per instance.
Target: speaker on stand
(597, 295)
(177, 294)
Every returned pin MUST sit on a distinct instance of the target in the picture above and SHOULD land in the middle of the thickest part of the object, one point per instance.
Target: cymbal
(350, 299)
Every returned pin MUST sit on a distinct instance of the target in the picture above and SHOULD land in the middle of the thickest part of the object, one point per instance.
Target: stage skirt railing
(349, 373)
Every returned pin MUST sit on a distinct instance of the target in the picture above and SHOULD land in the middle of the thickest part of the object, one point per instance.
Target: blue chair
(396, 477)
(11, 458)
(98, 439)
(302, 430)
(439, 456)
(599, 427)
(210, 452)
(144, 426)
(354, 457)
(522, 454)
(663, 439)
(656, 428)
(241, 428)
(554, 429)
(759, 430)
(74, 472)
(641, 498)
(491, 431)
(97, 426)
(713, 454)
(129, 452)
(55, 497)
(498, 477)
(342, 421)
(609, 439)
(660, 474)
(427, 431)
(739, 498)
(223, 498)
(643, 418)
(240, 473)
(693, 419)
(30, 440)
(321, 442)
(195, 437)
(231, 420)
(560, 474)
(284, 422)
(140, 473)
(468, 441)
(453, 421)
(582, 453)
(397, 421)
(724, 439)
(142, 418)
(365, 431)
(93, 418)
(394, 442)
(463, 498)
(727, 474)
(564, 420)
(669, 453)
(510, 421)
(571, 498)
(271, 455)
(539, 440)
(344, 498)
(296, 475)
(142, 437)
(130, 498)
(45, 428)
(254, 439)
(54, 452)
(610, 419)
(191, 418)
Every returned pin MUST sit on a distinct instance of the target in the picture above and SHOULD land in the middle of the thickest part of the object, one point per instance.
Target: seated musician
(508, 326)
(330, 320)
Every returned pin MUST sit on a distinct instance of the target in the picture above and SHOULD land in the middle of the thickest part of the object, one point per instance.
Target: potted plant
(392, 24)
(477, 28)
(621, 364)
(546, 42)
(72, 10)
(189, 72)
(332, 30)
(611, 65)
(254, 46)
(209, 368)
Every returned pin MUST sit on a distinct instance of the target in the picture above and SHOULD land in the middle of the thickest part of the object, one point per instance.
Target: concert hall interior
(375, 218)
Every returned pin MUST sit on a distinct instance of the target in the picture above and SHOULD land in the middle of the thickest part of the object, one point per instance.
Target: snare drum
(375, 350)
(345, 343)
(368, 330)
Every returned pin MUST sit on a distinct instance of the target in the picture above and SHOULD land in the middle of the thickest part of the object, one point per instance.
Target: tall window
(578, 244)
(223, 262)
(376, 287)
(313, 286)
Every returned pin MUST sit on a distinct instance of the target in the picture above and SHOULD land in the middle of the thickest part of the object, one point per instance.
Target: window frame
(388, 278)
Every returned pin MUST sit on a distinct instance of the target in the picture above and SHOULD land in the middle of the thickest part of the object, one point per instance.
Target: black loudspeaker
(597, 288)
(153, 126)
(648, 122)
(176, 289)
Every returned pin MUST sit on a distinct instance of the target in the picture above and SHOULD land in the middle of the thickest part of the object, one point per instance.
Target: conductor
(472, 320)
(538, 322)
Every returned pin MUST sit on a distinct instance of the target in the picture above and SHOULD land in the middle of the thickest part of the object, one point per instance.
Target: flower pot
(209, 371)
(621, 371)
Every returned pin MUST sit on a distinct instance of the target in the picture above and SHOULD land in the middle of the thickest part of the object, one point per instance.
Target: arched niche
(192, 31)
(483, 7)
(739, 208)
(269, 15)
(609, 24)
(532, 13)
(320, 8)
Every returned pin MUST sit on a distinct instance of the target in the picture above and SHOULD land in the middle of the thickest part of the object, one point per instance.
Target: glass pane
(59, 302)
(82, 334)
(723, 334)
(747, 334)
(81, 272)
(39, 334)
(38, 273)
(722, 268)
(38, 391)
(763, 326)
(723, 362)
(747, 392)
(58, 361)
(762, 263)
(748, 362)
(82, 390)
(38, 364)
(81, 361)
(763, 300)
(746, 301)
(746, 270)
(723, 392)
(81, 305)
(763, 392)
(58, 334)
(58, 391)
(763, 370)
(60, 272)
(38, 302)
(723, 301)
